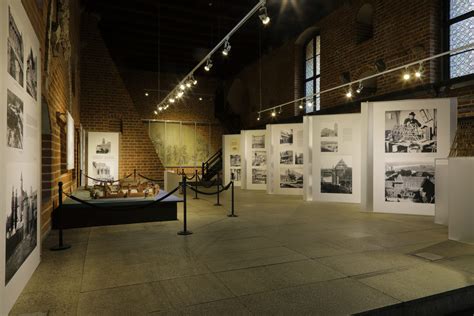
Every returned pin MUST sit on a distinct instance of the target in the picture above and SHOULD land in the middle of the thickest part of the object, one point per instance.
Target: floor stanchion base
(232, 215)
(185, 232)
(217, 204)
(60, 248)
(195, 198)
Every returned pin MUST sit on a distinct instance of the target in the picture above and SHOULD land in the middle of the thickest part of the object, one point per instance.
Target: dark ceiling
(176, 34)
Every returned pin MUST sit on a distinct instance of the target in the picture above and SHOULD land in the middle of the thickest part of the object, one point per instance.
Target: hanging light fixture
(274, 113)
(208, 65)
(171, 100)
(406, 75)
(156, 112)
(179, 94)
(263, 15)
(147, 94)
(349, 93)
(360, 88)
(419, 71)
(227, 48)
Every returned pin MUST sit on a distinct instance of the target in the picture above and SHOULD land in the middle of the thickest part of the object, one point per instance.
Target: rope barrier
(212, 193)
(107, 181)
(149, 179)
(121, 208)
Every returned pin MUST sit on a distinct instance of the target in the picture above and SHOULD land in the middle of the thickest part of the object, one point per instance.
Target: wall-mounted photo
(286, 137)
(15, 50)
(21, 224)
(104, 147)
(235, 174)
(336, 174)
(14, 121)
(258, 141)
(101, 171)
(259, 176)
(298, 158)
(329, 146)
(31, 75)
(329, 129)
(411, 131)
(235, 160)
(291, 178)
(286, 157)
(410, 182)
(259, 158)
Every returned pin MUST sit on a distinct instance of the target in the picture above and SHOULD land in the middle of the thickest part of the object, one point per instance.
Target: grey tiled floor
(280, 256)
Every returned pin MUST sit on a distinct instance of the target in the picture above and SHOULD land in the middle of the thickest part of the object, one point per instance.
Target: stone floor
(280, 256)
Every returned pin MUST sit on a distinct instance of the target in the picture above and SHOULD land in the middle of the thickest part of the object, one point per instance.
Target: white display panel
(70, 142)
(102, 156)
(336, 163)
(20, 151)
(407, 136)
(254, 166)
(308, 154)
(442, 191)
(232, 158)
(285, 159)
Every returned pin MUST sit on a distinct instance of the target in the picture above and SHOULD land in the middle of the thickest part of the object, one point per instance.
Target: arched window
(365, 23)
(460, 32)
(312, 82)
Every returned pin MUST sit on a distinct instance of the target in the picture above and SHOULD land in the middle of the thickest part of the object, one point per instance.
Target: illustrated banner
(102, 157)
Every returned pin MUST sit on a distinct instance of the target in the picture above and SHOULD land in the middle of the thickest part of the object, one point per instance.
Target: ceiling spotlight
(200, 98)
(156, 112)
(406, 75)
(419, 72)
(226, 49)
(188, 84)
(263, 15)
(349, 93)
(360, 88)
(274, 113)
(179, 94)
(258, 117)
(172, 100)
(280, 110)
(182, 87)
(208, 65)
(309, 104)
(301, 106)
(160, 108)
(194, 81)
(146, 94)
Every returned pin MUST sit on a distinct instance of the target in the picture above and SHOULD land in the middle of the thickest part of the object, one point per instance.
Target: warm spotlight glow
(172, 100)
(188, 84)
(263, 15)
(156, 112)
(274, 113)
(179, 94)
(266, 20)
(160, 108)
(208, 65)
(349, 94)
(258, 118)
(146, 94)
(182, 87)
(301, 106)
(406, 76)
(417, 74)
(195, 82)
(200, 98)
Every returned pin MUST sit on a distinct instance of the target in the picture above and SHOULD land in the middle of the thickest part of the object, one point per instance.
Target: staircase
(212, 166)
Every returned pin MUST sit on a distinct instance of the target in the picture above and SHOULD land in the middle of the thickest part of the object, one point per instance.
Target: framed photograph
(259, 158)
(329, 129)
(15, 123)
(235, 174)
(235, 160)
(259, 176)
(286, 157)
(286, 137)
(258, 141)
(329, 146)
(336, 174)
(291, 178)
(15, 50)
(298, 158)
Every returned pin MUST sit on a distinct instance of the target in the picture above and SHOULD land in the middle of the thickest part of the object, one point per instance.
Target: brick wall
(404, 31)
(57, 97)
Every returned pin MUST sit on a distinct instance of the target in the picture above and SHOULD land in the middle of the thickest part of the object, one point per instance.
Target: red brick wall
(55, 92)
(404, 31)
(106, 105)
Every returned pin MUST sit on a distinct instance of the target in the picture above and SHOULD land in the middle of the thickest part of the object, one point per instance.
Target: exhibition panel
(285, 157)
(441, 191)
(254, 152)
(232, 158)
(406, 137)
(20, 158)
(103, 157)
(308, 153)
(336, 163)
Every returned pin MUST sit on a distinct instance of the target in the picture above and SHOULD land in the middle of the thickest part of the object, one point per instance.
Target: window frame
(315, 76)
(447, 23)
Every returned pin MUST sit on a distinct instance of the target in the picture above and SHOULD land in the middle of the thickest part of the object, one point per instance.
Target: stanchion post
(232, 214)
(61, 245)
(196, 184)
(185, 230)
(218, 203)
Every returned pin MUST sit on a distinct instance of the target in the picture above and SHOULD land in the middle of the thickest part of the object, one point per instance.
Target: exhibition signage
(102, 157)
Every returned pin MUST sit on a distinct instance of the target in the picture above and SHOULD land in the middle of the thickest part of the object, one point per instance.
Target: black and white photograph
(31, 75)
(259, 158)
(101, 171)
(286, 137)
(235, 160)
(410, 182)
(411, 131)
(15, 51)
(258, 141)
(336, 174)
(21, 224)
(291, 178)
(329, 146)
(286, 157)
(298, 158)
(259, 176)
(235, 174)
(329, 129)
(104, 147)
(14, 121)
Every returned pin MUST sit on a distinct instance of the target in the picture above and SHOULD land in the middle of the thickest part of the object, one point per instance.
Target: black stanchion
(196, 184)
(232, 214)
(61, 245)
(218, 191)
(185, 230)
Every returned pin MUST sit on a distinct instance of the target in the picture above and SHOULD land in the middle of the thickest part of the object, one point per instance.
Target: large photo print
(411, 131)
(410, 182)
(291, 178)
(15, 121)
(15, 50)
(336, 174)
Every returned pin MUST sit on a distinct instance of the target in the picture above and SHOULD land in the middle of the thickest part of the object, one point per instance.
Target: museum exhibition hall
(251, 157)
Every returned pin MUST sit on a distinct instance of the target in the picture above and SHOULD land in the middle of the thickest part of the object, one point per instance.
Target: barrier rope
(107, 181)
(212, 193)
(121, 208)
(149, 179)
